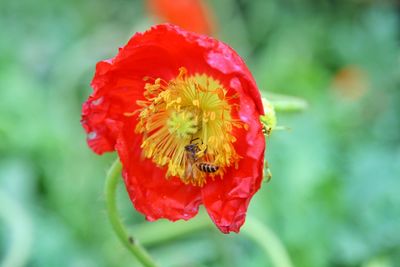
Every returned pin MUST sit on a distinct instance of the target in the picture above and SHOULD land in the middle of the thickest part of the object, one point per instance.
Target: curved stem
(113, 177)
(268, 241)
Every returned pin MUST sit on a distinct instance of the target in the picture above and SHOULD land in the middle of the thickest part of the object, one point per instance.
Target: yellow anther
(212, 140)
(212, 115)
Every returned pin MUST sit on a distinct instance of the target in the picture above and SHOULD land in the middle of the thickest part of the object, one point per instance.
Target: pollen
(187, 123)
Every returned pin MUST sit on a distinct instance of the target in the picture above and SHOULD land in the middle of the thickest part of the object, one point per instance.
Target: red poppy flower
(183, 112)
(192, 15)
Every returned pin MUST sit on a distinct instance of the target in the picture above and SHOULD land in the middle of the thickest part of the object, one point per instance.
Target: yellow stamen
(188, 110)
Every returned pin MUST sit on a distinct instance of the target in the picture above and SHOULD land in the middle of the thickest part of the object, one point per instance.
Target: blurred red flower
(192, 15)
(183, 112)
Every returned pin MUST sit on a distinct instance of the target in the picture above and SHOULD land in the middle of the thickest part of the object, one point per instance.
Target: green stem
(113, 177)
(268, 241)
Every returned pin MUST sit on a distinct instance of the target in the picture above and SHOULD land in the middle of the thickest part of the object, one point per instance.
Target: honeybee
(194, 155)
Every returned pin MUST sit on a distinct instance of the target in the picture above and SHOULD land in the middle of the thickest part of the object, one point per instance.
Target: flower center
(183, 124)
(187, 127)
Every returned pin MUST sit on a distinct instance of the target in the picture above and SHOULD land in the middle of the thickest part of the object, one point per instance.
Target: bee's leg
(202, 151)
(191, 141)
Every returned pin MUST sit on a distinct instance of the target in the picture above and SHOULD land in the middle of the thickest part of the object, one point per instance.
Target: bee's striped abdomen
(207, 167)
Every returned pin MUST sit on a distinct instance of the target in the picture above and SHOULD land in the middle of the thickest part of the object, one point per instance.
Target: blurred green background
(334, 199)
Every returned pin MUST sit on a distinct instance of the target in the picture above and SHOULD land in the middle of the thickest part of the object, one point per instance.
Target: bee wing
(192, 171)
(189, 169)
(190, 165)
(196, 173)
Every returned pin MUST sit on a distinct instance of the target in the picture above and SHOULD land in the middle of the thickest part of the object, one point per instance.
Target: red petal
(117, 84)
(230, 64)
(151, 193)
(227, 199)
